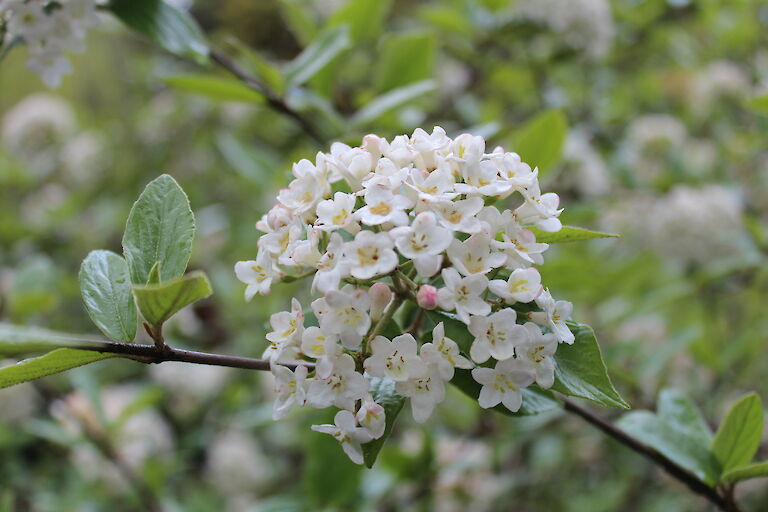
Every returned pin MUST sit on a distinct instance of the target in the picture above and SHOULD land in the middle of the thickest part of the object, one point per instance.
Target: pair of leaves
(157, 245)
(679, 432)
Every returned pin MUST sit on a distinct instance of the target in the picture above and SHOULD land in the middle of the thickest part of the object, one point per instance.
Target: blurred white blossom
(583, 24)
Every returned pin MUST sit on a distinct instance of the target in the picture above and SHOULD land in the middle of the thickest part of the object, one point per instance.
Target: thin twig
(152, 354)
(672, 468)
(274, 101)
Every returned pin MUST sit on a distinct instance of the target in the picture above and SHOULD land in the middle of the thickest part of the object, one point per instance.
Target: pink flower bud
(380, 295)
(427, 297)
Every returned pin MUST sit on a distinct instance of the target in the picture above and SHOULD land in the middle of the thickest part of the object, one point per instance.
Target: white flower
(303, 253)
(337, 213)
(514, 171)
(539, 209)
(258, 274)
(556, 312)
(352, 164)
(277, 217)
(503, 384)
(289, 388)
(496, 335)
(330, 267)
(538, 351)
(371, 416)
(463, 294)
(341, 388)
(473, 255)
(29, 20)
(428, 390)
(459, 215)
(303, 194)
(288, 328)
(483, 180)
(523, 285)
(520, 246)
(345, 313)
(432, 186)
(448, 349)
(423, 242)
(396, 359)
(346, 431)
(279, 241)
(382, 206)
(429, 146)
(370, 254)
(320, 346)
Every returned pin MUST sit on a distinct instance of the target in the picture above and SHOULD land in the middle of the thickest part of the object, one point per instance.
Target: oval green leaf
(580, 370)
(678, 446)
(160, 228)
(105, 286)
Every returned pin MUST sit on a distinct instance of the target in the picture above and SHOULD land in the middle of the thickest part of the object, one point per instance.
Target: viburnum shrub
(388, 231)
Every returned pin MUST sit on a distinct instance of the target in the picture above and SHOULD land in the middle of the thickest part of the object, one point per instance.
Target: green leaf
(738, 437)
(674, 444)
(383, 392)
(389, 100)
(170, 27)
(679, 412)
(759, 104)
(365, 18)
(405, 58)
(215, 88)
(540, 141)
(324, 48)
(160, 228)
(18, 340)
(757, 470)
(158, 303)
(580, 370)
(105, 286)
(56, 361)
(535, 399)
(567, 234)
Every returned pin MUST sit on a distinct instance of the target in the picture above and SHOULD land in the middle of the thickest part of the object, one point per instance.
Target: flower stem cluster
(408, 220)
(49, 28)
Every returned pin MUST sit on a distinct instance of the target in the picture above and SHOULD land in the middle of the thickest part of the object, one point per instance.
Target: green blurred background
(664, 145)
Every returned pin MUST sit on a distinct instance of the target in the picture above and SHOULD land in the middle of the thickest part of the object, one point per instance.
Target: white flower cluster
(415, 215)
(49, 28)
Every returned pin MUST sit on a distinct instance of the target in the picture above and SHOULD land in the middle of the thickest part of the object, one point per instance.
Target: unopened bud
(427, 297)
(380, 295)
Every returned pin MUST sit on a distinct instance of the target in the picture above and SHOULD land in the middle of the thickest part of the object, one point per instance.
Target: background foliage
(643, 116)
